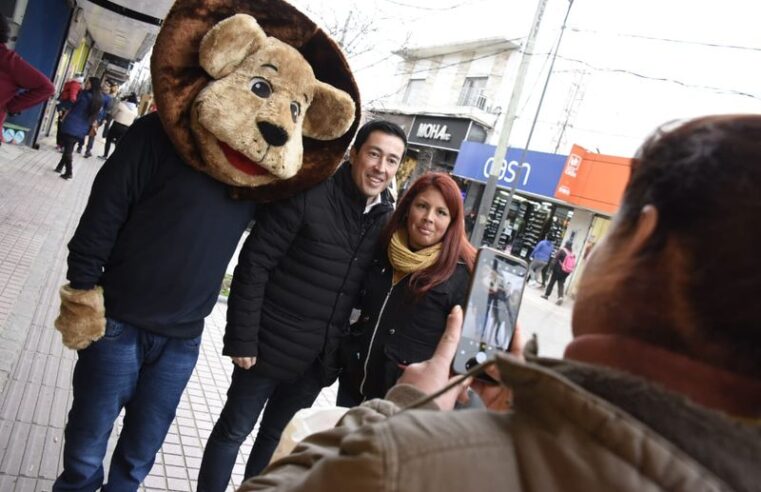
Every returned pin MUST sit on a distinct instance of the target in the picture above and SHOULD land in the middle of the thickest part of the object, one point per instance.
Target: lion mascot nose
(273, 134)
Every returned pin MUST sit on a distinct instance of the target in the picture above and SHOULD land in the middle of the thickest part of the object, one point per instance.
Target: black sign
(446, 133)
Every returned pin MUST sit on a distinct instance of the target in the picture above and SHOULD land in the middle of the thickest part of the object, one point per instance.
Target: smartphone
(491, 312)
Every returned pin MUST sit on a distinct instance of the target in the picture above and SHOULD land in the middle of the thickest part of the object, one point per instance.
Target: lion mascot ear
(240, 35)
(330, 114)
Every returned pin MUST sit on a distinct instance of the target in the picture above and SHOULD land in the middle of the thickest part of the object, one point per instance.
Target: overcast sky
(636, 64)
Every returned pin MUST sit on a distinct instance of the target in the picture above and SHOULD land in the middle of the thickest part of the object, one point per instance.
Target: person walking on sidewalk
(78, 121)
(110, 109)
(106, 94)
(297, 279)
(124, 115)
(539, 257)
(21, 85)
(565, 262)
(66, 99)
(419, 275)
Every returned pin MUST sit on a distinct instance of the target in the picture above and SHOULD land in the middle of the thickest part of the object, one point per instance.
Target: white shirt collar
(375, 202)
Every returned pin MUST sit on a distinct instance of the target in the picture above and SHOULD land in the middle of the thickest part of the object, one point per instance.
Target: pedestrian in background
(124, 115)
(539, 257)
(421, 272)
(565, 262)
(66, 99)
(110, 109)
(21, 85)
(106, 94)
(78, 121)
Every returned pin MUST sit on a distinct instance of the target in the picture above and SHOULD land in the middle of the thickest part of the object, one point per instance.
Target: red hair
(455, 244)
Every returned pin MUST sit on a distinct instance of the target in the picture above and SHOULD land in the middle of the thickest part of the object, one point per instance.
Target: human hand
(244, 362)
(432, 375)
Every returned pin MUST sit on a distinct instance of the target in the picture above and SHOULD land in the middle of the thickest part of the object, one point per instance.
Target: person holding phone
(660, 388)
(421, 272)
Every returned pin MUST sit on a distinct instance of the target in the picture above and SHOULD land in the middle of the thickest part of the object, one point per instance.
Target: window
(415, 91)
(472, 93)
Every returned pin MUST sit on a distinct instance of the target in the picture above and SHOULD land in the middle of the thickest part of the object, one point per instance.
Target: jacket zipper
(372, 339)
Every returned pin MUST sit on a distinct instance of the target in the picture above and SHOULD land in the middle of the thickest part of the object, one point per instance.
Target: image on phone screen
(491, 311)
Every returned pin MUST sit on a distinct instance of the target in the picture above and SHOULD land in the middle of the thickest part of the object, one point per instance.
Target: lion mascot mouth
(254, 94)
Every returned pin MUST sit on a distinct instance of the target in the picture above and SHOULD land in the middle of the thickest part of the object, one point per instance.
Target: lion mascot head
(254, 94)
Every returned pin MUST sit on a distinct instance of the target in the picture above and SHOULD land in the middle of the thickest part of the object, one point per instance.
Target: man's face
(376, 163)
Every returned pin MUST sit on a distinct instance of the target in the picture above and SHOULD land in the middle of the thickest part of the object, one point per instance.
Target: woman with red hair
(421, 273)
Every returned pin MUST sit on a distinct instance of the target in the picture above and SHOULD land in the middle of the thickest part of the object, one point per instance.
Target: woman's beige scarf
(405, 261)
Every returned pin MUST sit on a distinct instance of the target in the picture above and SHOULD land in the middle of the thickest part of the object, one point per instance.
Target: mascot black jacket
(161, 275)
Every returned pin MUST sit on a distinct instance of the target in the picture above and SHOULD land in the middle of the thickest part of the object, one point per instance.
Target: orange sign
(593, 181)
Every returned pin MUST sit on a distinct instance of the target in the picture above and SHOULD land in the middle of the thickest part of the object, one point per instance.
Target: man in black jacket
(297, 279)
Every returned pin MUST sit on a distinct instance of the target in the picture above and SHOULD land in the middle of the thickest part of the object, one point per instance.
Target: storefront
(595, 183)
(534, 212)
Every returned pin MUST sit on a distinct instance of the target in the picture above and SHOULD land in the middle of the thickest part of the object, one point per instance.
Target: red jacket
(70, 91)
(16, 74)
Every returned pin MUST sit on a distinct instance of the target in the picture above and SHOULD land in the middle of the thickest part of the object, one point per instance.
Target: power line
(436, 9)
(718, 90)
(668, 40)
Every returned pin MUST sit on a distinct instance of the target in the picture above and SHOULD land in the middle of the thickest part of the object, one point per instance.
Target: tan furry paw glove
(82, 319)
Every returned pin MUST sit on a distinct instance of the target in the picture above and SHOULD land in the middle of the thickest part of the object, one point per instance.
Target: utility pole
(507, 126)
(533, 123)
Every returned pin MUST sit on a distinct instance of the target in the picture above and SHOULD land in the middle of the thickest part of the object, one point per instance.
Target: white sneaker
(559, 301)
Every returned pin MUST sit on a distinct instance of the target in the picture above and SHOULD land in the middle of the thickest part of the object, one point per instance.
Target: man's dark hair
(5, 30)
(384, 126)
(704, 178)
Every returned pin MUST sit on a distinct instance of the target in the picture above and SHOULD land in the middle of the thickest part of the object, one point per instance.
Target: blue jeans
(128, 368)
(247, 395)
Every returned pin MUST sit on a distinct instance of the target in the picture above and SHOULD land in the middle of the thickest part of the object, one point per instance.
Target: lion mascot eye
(295, 111)
(261, 87)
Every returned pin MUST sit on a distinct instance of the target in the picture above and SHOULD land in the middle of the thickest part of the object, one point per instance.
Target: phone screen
(491, 311)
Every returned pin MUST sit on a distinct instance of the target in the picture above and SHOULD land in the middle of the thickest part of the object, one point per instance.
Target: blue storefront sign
(538, 174)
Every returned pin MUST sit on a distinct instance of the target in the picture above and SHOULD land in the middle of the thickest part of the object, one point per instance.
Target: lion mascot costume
(255, 104)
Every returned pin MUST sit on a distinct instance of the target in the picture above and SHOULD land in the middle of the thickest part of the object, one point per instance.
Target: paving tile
(174, 460)
(25, 484)
(28, 402)
(7, 482)
(52, 454)
(60, 407)
(172, 449)
(44, 405)
(175, 471)
(34, 448)
(179, 485)
(155, 482)
(44, 486)
(11, 463)
(13, 393)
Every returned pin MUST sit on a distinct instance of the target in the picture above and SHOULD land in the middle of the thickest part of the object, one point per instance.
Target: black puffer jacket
(299, 275)
(394, 329)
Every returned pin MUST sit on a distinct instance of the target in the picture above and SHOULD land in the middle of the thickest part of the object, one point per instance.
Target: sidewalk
(38, 214)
